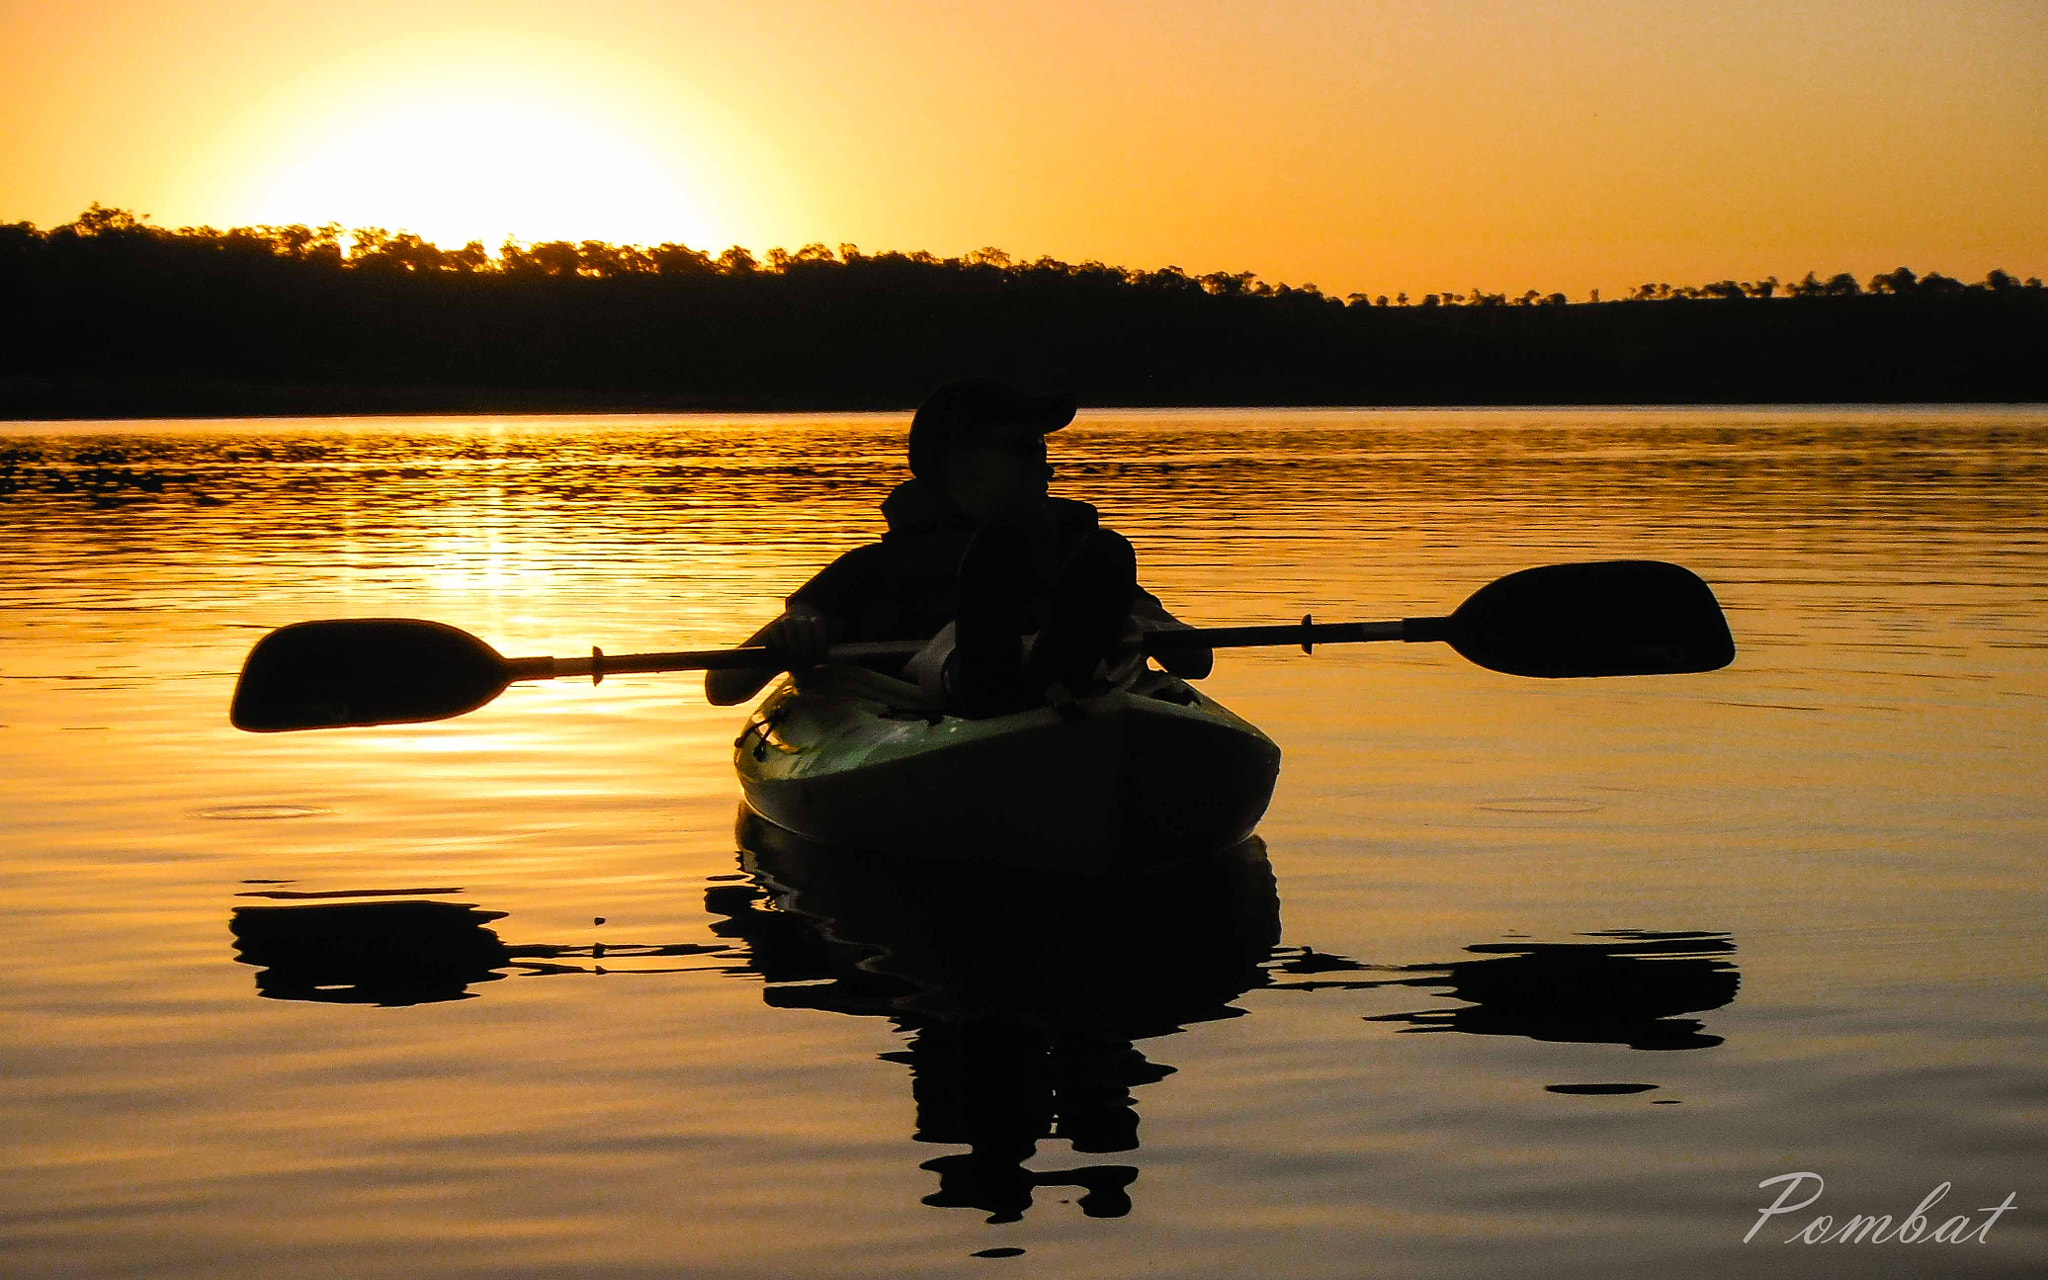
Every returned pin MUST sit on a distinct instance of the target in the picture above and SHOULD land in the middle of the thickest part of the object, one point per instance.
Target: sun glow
(455, 170)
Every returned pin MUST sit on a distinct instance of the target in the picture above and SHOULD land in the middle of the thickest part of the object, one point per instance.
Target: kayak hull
(1134, 776)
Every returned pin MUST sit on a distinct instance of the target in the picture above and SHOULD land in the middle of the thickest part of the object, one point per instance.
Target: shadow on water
(1022, 998)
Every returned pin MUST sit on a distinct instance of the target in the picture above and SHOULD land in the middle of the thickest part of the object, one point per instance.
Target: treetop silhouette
(115, 314)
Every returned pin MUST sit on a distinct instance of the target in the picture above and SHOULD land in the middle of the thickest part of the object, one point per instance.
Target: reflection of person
(1022, 999)
(1022, 596)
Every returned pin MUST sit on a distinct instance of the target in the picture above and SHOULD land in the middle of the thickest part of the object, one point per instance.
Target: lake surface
(1529, 977)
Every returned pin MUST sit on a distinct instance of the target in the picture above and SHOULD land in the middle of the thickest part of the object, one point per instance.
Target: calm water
(1541, 976)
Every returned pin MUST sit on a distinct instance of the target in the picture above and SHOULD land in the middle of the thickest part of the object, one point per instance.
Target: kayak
(1144, 773)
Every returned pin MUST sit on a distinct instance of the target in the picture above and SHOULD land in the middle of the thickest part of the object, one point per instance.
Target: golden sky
(1376, 145)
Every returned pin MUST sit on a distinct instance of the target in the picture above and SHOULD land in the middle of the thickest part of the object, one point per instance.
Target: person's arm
(801, 635)
(1191, 663)
(813, 617)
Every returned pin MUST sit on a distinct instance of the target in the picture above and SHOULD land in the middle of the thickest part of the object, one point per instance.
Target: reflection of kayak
(1134, 775)
(923, 939)
(1023, 1002)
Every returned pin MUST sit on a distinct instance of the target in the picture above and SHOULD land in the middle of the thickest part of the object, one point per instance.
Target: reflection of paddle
(1624, 987)
(407, 952)
(1612, 618)
(386, 953)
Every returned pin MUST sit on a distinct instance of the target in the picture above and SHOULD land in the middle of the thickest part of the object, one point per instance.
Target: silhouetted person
(1021, 595)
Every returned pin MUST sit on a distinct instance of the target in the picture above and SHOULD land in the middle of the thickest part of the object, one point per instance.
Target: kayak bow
(1143, 772)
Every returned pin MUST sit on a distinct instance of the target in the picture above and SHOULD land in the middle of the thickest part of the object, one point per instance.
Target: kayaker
(1023, 597)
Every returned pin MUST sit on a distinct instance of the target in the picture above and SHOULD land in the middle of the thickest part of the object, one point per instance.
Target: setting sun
(1586, 144)
(484, 168)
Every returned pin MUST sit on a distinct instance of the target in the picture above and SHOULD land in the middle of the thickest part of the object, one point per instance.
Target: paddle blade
(1611, 618)
(364, 671)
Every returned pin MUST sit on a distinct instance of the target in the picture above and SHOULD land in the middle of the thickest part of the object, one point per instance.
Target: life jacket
(907, 586)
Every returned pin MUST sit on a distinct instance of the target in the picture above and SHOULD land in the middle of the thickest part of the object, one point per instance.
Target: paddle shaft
(1607, 618)
(601, 664)
(1307, 633)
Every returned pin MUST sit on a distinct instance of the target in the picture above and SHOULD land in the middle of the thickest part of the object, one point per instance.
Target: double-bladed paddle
(1610, 618)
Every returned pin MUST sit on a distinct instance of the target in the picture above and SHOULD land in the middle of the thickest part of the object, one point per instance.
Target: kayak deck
(1137, 774)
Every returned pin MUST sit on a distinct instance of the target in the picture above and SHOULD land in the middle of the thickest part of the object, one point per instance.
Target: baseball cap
(981, 407)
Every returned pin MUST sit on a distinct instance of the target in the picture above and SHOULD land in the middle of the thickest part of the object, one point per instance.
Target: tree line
(111, 314)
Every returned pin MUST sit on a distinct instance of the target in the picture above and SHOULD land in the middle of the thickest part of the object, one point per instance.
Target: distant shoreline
(39, 400)
(109, 318)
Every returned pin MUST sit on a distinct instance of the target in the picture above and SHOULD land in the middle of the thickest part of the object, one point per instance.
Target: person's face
(997, 478)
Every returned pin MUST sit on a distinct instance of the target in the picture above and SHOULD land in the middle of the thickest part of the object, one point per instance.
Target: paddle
(1612, 618)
